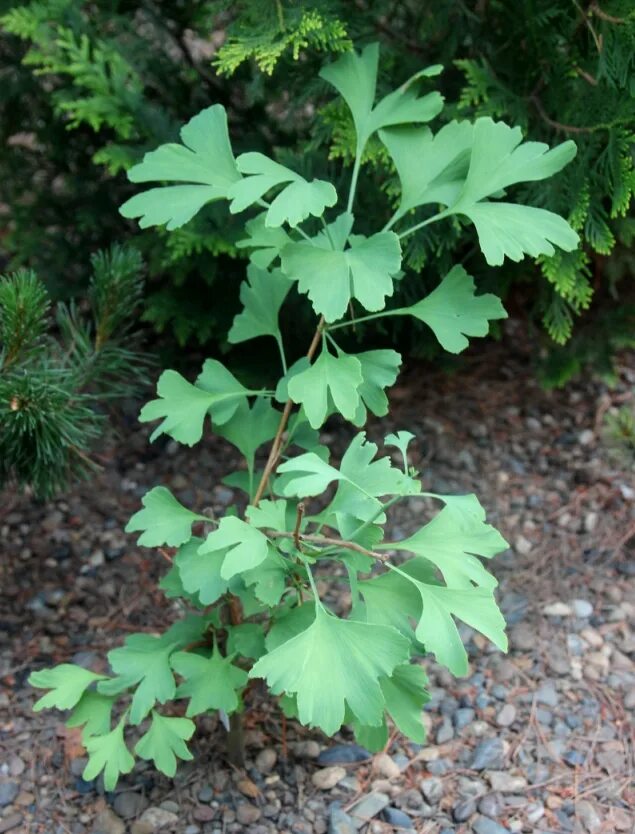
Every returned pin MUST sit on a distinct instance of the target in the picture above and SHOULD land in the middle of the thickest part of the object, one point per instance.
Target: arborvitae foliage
(104, 81)
(247, 580)
(56, 373)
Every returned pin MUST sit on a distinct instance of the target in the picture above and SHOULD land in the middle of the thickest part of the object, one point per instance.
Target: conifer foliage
(250, 577)
(56, 375)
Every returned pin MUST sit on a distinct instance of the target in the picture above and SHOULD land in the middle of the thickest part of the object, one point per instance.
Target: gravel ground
(539, 740)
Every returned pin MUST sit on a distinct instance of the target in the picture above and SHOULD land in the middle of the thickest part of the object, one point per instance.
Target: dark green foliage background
(87, 87)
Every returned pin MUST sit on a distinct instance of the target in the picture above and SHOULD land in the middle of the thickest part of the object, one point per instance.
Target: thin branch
(276, 446)
(298, 524)
(329, 541)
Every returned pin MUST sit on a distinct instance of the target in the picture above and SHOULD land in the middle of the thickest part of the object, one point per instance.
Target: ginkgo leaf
(200, 572)
(108, 753)
(245, 547)
(163, 520)
(184, 406)
(437, 630)
(380, 369)
(67, 683)
(143, 661)
(405, 694)
(436, 170)
(297, 200)
(391, 599)
(331, 275)
(450, 539)
(361, 482)
(453, 311)
(205, 161)
(269, 578)
(92, 712)
(262, 296)
(354, 76)
(334, 663)
(337, 376)
(269, 514)
(401, 440)
(265, 242)
(246, 639)
(250, 427)
(164, 742)
(210, 682)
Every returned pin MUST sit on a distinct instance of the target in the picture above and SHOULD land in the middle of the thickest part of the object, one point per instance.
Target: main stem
(274, 452)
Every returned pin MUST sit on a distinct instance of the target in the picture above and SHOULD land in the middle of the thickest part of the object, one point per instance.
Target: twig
(327, 540)
(298, 524)
(274, 452)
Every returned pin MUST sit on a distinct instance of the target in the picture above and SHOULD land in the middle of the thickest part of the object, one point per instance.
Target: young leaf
(337, 376)
(93, 712)
(332, 275)
(205, 158)
(110, 754)
(265, 242)
(354, 76)
(67, 683)
(269, 515)
(380, 369)
(143, 660)
(450, 539)
(244, 546)
(297, 200)
(164, 742)
(163, 520)
(184, 406)
(200, 572)
(262, 296)
(350, 655)
(391, 599)
(453, 311)
(401, 440)
(405, 694)
(210, 682)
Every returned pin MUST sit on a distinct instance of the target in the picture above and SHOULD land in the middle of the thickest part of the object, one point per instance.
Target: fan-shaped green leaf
(92, 712)
(110, 754)
(351, 656)
(336, 376)
(262, 296)
(163, 520)
(210, 682)
(205, 158)
(164, 742)
(67, 683)
(245, 547)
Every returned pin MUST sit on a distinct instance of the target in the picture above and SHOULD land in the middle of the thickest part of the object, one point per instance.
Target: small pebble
(327, 778)
(582, 608)
(485, 825)
(343, 754)
(557, 609)
(506, 716)
(488, 754)
(386, 766)
(266, 760)
(206, 794)
(462, 811)
(574, 758)
(445, 732)
(397, 818)
(247, 814)
(432, 790)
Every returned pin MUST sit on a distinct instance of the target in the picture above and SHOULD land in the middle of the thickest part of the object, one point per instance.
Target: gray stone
(432, 790)
(8, 792)
(506, 716)
(545, 716)
(206, 794)
(328, 777)
(522, 637)
(485, 825)
(157, 818)
(463, 810)
(500, 692)
(574, 758)
(490, 805)
(340, 822)
(534, 811)
(368, 807)
(463, 716)
(582, 608)
(547, 695)
(192, 829)
(170, 805)
(557, 609)
(438, 767)
(503, 782)
(397, 818)
(445, 732)
(108, 822)
(343, 754)
(488, 754)
(129, 804)
(266, 760)
(247, 814)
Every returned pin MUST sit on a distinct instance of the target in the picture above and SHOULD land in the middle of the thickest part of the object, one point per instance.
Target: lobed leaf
(164, 742)
(335, 377)
(262, 296)
(163, 520)
(67, 683)
(209, 682)
(244, 546)
(108, 753)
